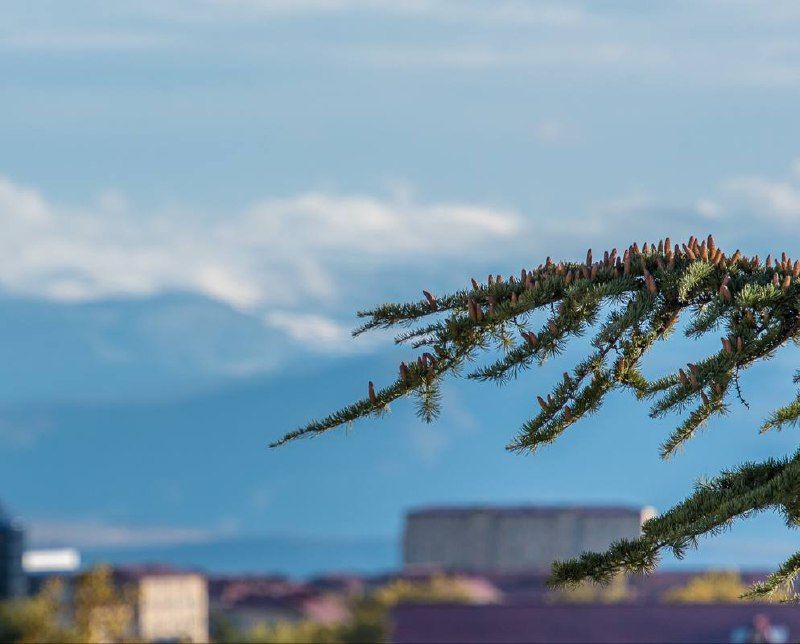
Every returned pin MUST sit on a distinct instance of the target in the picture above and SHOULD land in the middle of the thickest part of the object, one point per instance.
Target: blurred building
(170, 604)
(12, 543)
(512, 539)
(252, 602)
(588, 623)
(42, 565)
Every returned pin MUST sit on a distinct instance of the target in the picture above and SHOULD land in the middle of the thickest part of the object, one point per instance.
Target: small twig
(738, 388)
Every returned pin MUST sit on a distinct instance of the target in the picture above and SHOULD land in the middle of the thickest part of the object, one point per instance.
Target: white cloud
(81, 40)
(702, 45)
(727, 210)
(287, 250)
(300, 262)
(551, 131)
(317, 331)
(769, 199)
(427, 443)
(499, 11)
(100, 534)
(708, 208)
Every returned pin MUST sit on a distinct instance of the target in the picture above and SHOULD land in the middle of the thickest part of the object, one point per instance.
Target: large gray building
(12, 578)
(512, 539)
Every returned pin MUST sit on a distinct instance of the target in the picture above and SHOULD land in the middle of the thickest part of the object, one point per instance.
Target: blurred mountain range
(135, 428)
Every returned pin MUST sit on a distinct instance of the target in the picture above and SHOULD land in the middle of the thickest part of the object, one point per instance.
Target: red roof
(590, 624)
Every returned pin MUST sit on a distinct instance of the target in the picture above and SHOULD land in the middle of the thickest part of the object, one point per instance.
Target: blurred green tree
(36, 619)
(102, 612)
(589, 592)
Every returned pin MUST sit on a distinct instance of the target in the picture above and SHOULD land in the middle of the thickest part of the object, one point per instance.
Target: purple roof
(528, 510)
(589, 623)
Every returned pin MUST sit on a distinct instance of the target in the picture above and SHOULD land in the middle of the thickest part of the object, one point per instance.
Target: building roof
(138, 571)
(529, 510)
(590, 623)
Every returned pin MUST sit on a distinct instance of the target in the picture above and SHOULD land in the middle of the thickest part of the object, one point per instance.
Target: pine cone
(531, 339)
(651, 284)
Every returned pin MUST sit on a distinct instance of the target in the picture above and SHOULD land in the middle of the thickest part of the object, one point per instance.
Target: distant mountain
(295, 557)
(192, 455)
(127, 349)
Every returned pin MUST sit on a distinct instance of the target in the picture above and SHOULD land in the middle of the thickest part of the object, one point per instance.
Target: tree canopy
(629, 301)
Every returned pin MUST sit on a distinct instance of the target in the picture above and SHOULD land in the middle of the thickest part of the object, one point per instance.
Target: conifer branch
(753, 305)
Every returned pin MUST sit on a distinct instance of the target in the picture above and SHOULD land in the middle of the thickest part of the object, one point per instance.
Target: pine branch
(781, 581)
(712, 507)
(755, 305)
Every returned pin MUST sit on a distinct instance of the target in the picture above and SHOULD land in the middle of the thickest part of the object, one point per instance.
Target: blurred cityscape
(469, 573)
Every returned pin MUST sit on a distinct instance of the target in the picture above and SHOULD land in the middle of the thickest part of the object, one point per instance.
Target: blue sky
(196, 196)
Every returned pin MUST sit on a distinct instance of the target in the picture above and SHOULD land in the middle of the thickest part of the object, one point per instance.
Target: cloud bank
(706, 43)
(279, 251)
(298, 262)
